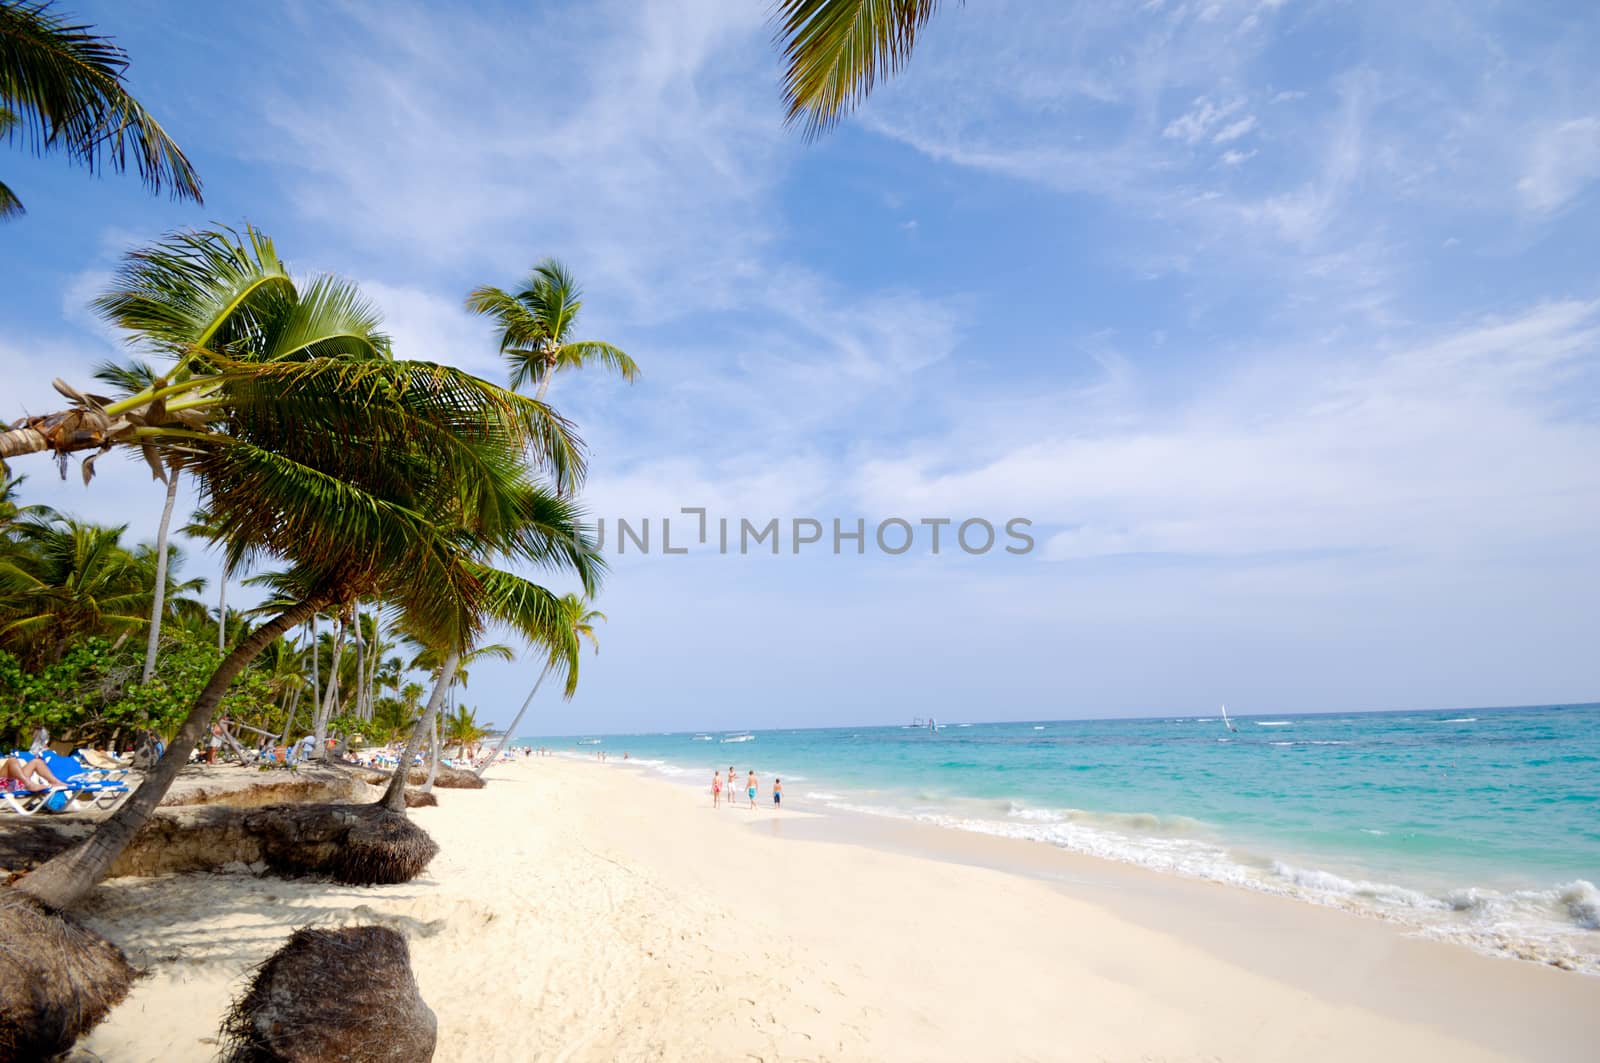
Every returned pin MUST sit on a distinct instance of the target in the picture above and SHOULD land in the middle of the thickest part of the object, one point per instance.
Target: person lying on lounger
(27, 773)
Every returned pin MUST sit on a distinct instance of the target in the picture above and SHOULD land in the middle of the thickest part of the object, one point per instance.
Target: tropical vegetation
(364, 476)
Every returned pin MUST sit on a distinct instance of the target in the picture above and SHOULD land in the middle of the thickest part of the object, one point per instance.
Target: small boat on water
(739, 738)
(1227, 722)
(588, 741)
(702, 738)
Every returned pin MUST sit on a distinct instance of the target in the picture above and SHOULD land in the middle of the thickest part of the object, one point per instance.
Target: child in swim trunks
(777, 792)
(750, 787)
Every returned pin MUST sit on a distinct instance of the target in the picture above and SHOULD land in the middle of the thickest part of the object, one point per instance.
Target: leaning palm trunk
(152, 645)
(394, 798)
(512, 730)
(222, 612)
(65, 879)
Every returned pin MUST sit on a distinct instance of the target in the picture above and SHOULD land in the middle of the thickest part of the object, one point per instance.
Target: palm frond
(129, 378)
(330, 319)
(836, 51)
(199, 289)
(10, 205)
(592, 352)
(64, 85)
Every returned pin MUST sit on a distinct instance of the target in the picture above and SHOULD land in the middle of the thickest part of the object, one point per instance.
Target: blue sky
(1279, 319)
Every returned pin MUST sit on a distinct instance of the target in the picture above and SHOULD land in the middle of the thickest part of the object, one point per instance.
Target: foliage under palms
(62, 89)
(536, 327)
(836, 50)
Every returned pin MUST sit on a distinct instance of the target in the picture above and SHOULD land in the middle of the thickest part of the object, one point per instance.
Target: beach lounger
(26, 802)
(85, 783)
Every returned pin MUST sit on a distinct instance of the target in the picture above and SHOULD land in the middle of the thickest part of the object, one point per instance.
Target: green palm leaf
(836, 51)
(62, 85)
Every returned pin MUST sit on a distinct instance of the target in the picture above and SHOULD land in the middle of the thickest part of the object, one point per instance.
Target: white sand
(577, 912)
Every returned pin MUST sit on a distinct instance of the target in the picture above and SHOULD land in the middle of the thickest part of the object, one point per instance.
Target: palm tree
(369, 477)
(462, 729)
(129, 379)
(75, 579)
(202, 526)
(550, 535)
(536, 329)
(62, 89)
(837, 49)
(561, 657)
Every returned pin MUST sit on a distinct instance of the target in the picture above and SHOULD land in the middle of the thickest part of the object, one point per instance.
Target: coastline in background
(1481, 826)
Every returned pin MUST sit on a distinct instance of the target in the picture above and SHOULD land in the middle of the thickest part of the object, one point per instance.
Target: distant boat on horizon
(747, 737)
(1227, 722)
(588, 741)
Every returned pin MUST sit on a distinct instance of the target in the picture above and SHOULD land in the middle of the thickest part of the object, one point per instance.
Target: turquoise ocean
(1480, 825)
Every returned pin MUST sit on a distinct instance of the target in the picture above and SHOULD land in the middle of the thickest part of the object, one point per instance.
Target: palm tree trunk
(294, 706)
(152, 646)
(373, 662)
(222, 612)
(511, 731)
(316, 653)
(331, 700)
(65, 879)
(361, 669)
(394, 798)
(433, 759)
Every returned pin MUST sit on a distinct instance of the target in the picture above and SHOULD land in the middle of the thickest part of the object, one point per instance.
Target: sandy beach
(587, 912)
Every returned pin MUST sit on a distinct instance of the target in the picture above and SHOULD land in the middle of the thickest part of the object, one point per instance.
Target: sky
(1277, 320)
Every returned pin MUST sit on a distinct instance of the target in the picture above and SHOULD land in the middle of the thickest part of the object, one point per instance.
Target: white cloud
(1235, 130)
(1562, 163)
(1193, 125)
(1460, 447)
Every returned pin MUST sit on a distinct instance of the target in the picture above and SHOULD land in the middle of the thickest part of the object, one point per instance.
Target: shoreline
(579, 914)
(1515, 908)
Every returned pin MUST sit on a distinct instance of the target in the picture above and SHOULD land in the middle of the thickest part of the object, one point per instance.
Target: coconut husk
(57, 979)
(346, 995)
(418, 799)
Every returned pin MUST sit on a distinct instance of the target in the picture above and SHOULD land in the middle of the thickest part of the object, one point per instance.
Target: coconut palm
(836, 50)
(62, 89)
(561, 658)
(307, 444)
(551, 537)
(129, 379)
(74, 579)
(462, 729)
(536, 329)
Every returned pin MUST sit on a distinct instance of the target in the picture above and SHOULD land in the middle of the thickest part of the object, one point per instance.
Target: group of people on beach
(750, 786)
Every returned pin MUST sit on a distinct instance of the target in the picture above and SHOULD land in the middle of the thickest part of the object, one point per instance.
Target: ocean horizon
(1478, 825)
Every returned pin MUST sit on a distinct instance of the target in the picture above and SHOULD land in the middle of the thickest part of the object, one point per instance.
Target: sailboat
(1227, 722)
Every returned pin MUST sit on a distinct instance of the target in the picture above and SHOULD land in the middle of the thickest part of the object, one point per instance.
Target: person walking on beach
(730, 786)
(777, 792)
(750, 787)
(716, 788)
